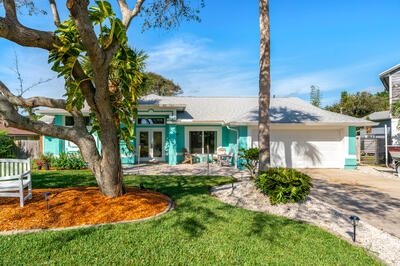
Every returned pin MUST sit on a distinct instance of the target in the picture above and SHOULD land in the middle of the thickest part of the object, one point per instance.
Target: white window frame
(206, 128)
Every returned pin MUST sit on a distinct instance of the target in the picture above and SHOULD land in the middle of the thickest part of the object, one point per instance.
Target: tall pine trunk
(265, 86)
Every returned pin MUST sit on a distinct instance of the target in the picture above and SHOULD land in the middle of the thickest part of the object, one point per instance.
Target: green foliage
(284, 185)
(360, 104)
(125, 68)
(157, 84)
(250, 159)
(68, 161)
(7, 146)
(315, 96)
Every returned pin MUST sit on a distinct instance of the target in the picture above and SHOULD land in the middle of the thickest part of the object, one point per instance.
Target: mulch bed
(78, 206)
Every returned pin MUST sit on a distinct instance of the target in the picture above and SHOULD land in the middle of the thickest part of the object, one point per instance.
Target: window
(151, 121)
(199, 140)
(69, 121)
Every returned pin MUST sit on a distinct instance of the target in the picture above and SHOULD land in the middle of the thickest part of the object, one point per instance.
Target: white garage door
(307, 148)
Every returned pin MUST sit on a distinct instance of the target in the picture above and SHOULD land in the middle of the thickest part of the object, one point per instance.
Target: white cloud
(202, 70)
(327, 80)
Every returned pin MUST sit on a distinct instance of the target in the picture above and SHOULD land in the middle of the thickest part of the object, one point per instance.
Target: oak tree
(97, 34)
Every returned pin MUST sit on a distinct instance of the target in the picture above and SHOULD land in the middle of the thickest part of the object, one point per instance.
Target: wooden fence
(372, 150)
(27, 148)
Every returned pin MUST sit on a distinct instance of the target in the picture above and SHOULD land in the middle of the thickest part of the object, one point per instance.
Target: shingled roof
(245, 110)
(241, 110)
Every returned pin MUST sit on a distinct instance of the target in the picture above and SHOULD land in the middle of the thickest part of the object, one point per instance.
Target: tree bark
(264, 86)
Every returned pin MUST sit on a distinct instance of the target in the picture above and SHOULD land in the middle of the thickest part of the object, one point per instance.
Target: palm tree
(265, 86)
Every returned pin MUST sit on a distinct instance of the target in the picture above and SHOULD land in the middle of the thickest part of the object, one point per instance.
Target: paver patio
(200, 169)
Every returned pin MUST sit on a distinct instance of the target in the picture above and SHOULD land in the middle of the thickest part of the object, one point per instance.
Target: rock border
(171, 205)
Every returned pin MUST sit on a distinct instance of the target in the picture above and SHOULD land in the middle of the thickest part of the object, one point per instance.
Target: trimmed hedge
(284, 185)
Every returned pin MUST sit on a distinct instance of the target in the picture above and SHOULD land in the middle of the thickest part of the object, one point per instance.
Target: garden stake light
(47, 197)
(354, 219)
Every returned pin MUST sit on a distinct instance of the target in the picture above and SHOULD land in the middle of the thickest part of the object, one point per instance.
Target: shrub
(7, 149)
(46, 158)
(250, 158)
(284, 185)
(68, 161)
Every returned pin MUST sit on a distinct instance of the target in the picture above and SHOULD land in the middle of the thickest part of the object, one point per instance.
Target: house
(391, 80)
(378, 131)
(302, 135)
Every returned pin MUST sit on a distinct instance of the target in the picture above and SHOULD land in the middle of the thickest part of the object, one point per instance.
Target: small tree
(315, 96)
(251, 159)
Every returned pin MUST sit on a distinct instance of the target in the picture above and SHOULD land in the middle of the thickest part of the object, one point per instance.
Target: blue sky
(336, 45)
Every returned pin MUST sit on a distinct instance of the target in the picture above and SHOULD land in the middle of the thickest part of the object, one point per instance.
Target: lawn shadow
(271, 227)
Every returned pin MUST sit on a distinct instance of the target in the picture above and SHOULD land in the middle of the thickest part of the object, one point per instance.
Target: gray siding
(396, 86)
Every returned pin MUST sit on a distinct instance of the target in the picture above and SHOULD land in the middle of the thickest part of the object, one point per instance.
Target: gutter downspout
(237, 144)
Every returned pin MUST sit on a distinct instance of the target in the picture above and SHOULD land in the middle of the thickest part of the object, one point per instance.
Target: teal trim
(350, 163)
(53, 145)
(172, 156)
(352, 140)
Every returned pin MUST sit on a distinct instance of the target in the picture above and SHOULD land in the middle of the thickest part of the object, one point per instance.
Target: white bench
(15, 176)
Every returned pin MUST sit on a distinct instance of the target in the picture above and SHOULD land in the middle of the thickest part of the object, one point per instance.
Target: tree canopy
(360, 104)
(157, 84)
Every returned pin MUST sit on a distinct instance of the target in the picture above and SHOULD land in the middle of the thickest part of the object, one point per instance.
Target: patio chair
(187, 157)
(223, 158)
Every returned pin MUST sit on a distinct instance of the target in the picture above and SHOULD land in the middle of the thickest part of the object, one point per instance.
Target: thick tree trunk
(107, 168)
(265, 86)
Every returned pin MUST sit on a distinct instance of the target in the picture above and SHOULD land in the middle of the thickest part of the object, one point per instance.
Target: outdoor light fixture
(47, 197)
(354, 219)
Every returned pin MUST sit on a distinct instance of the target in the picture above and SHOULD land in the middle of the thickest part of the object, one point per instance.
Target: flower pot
(46, 167)
(39, 167)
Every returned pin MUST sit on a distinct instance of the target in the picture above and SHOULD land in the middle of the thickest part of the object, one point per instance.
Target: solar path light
(47, 197)
(354, 220)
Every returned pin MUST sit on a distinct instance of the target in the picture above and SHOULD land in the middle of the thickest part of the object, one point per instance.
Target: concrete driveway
(375, 199)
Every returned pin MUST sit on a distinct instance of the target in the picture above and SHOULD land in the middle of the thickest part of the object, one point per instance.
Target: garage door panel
(307, 148)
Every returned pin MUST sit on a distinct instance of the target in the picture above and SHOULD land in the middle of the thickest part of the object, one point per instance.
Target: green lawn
(201, 230)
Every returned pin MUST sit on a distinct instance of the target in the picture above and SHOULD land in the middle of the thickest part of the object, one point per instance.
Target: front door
(151, 141)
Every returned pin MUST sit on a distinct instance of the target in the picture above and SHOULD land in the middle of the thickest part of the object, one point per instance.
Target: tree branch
(127, 14)
(15, 32)
(79, 12)
(54, 11)
(9, 7)
(14, 119)
(33, 101)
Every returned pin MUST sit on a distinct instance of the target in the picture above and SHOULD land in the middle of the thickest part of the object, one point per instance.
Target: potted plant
(46, 161)
(39, 165)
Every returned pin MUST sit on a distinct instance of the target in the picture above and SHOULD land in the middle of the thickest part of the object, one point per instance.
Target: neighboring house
(302, 135)
(28, 143)
(382, 118)
(391, 80)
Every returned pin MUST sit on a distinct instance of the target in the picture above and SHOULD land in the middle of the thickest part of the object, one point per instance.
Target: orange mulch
(78, 206)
